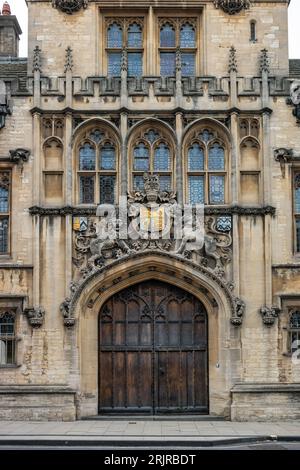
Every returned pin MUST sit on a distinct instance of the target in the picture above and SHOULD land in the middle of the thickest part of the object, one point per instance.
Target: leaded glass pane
(87, 186)
(115, 36)
(295, 341)
(196, 189)
(216, 157)
(216, 189)
(152, 135)
(135, 36)
(297, 200)
(108, 157)
(298, 234)
(187, 36)
(4, 235)
(138, 183)
(206, 135)
(188, 64)
(167, 36)
(167, 64)
(141, 158)
(107, 189)
(7, 325)
(162, 158)
(135, 64)
(114, 64)
(4, 199)
(165, 183)
(295, 319)
(87, 157)
(195, 158)
(96, 136)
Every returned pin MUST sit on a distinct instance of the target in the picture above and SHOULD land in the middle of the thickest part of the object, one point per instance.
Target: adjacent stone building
(158, 104)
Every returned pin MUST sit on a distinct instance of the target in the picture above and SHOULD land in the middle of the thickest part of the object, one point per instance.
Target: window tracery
(7, 338)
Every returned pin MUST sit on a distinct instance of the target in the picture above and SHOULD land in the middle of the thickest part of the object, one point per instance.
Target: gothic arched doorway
(153, 351)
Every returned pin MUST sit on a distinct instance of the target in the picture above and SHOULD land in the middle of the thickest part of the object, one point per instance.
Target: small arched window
(97, 168)
(294, 330)
(7, 338)
(253, 37)
(134, 36)
(115, 36)
(187, 36)
(206, 169)
(167, 36)
(152, 154)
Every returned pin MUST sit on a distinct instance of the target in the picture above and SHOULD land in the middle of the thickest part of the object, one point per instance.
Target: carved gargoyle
(269, 315)
(35, 316)
(19, 155)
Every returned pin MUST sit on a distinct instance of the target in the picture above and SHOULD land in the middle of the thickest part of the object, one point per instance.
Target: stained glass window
(162, 158)
(195, 158)
(206, 135)
(87, 157)
(96, 136)
(134, 36)
(4, 199)
(138, 183)
(152, 135)
(114, 64)
(196, 189)
(87, 189)
(108, 157)
(135, 64)
(107, 189)
(165, 183)
(298, 234)
(187, 36)
(216, 189)
(216, 157)
(4, 222)
(167, 36)
(297, 199)
(115, 36)
(141, 157)
(188, 64)
(295, 319)
(7, 339)
(167, 64)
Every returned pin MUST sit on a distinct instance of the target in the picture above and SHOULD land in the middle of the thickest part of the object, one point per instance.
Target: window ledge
(9, 366)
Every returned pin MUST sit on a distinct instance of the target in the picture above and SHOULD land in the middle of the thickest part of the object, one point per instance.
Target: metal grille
(135, 64)
(216, 158)
(167, 64)
(216, 189)
(162, 158)
(108, 157)
(187, 36)
(115, 36)
(167, 36)
(196, 189)
(4, 199)
(141, 158)
(107, 189)
(4, 224)
(7, 339)
(196, 158)
(114, 64)
(87, 157)
(134, 36)
(87, 189)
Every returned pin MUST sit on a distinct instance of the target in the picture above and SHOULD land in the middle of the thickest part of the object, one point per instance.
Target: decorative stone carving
(69, 320)
(295, 99)
(232, 67)
(37, 63)
(283, 155)
(269, 315)
(151, 192)
(4, 105)
(70, 6)
(232, 6)
(124, 61)
(69, 60)
(35, 316)
(264, 61)
(238, 312)
(19, 155)
(224, 224)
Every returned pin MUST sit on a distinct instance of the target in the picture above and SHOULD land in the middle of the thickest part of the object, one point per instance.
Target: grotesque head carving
(295, 92)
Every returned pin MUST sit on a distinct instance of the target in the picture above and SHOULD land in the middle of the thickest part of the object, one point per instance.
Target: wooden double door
(153, 351)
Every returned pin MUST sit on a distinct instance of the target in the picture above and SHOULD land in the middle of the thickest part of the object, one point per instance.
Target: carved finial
(232, 6)
(269, 315)
(70, 6)
(37, 59)
(264, 61)
(232, 60)
(124, 61)
(69, 60)
(6, 11)
(178, 60)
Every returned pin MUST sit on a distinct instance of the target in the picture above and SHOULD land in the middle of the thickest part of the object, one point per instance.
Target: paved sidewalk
(142, 432)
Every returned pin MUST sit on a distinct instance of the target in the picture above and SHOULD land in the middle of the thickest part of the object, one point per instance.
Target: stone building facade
(162, 103)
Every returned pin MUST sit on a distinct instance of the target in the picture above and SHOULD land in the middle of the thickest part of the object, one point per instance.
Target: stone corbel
(69, 320)
(19, 155)
(35, 316)
(269, 315)
(238, 312)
